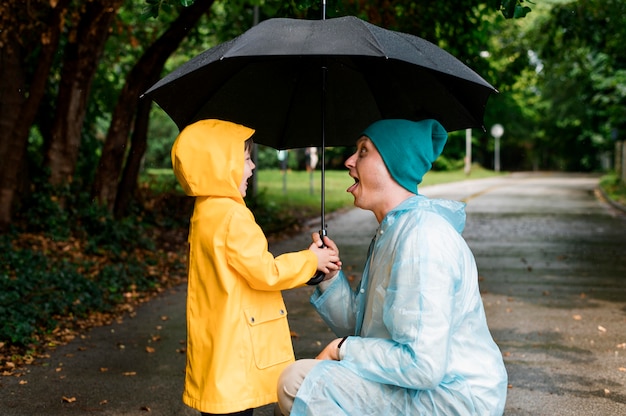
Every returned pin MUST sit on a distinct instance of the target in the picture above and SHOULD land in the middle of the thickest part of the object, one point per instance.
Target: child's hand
(328, 261)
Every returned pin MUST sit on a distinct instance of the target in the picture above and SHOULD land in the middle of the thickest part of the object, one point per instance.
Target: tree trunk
(18, 106)
(11, 147)
(145, 73)
(85, 45)
(139, 143)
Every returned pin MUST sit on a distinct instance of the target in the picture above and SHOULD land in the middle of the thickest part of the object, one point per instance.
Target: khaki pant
(289, 383)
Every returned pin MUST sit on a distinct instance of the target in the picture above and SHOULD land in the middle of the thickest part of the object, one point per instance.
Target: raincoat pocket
(269, 334)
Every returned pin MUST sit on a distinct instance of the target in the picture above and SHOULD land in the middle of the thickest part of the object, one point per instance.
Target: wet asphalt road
(552, 263)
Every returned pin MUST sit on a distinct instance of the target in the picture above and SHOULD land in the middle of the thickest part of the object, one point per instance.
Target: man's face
(371, 177)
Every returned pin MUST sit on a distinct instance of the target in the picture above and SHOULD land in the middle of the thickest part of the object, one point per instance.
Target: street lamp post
(496, 131)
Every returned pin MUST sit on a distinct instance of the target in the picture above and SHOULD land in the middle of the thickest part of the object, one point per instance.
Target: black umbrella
(284, 77)
(302, 83)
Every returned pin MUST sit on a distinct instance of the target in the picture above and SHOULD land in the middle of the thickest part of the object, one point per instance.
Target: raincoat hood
(208, 158)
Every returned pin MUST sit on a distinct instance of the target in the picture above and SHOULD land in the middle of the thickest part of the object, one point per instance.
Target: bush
(66, 263)
(36, 289)
(614, 188)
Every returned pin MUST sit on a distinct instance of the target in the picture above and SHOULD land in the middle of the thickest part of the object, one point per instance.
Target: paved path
(553, 276)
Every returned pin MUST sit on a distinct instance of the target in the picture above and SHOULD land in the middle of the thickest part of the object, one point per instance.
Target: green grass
(297, 194)
(614, 188)
(294, 189)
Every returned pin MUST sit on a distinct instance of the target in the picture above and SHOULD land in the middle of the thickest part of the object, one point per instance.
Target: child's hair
(247, 146)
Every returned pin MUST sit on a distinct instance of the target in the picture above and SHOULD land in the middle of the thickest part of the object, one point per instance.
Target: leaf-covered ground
(167, 268)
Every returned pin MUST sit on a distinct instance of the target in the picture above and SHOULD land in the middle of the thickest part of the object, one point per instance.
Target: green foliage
(35, 290)
(154, 7)
(444, 163)
(270, 214)
(45, 213)
(514, 9)
(614, 187)
(36, 287)
(106, 234)
(580, 77)
(60, 212)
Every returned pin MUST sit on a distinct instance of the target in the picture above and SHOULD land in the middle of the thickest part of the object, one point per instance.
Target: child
(238, 339)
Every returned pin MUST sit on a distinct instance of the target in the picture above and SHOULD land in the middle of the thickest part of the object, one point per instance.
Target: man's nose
(350, 161)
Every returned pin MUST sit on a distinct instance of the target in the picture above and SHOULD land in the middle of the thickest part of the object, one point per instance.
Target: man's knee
(290, 381)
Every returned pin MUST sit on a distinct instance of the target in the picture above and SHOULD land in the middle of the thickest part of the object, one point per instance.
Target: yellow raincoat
(238, 339)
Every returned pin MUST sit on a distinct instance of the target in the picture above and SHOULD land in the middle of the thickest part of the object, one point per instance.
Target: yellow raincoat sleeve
(247, 253)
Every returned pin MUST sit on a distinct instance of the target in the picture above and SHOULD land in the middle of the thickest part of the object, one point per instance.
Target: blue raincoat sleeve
(341, 320)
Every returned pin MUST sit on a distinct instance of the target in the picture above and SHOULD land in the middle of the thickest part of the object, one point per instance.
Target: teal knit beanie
(408, 148)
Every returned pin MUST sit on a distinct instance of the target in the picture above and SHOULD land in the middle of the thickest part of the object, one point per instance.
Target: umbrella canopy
(297, 81)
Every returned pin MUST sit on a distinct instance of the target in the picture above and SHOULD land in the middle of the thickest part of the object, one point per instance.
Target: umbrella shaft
(323, 176)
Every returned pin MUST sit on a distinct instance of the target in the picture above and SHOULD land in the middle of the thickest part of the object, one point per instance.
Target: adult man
(414, 334)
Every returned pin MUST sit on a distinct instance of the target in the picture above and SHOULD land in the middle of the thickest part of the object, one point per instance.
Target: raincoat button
(362, 290)
(282, 312)
(252, 319)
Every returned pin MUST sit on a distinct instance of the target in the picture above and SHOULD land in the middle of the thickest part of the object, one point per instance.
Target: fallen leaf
(294, 334)
(145, 409)
(103, 369)
(22, 382)
(69, 399)
(601, 328)
(150, 350)
(130, 373)
(622, 369)
(164, 318)
(103, 402)
(622, 345)
(607, 392)
(577, 317)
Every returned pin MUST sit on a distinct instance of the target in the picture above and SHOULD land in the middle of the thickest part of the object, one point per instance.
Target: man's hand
(331, 352)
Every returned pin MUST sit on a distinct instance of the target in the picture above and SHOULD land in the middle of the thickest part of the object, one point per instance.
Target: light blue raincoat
(421, 345)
